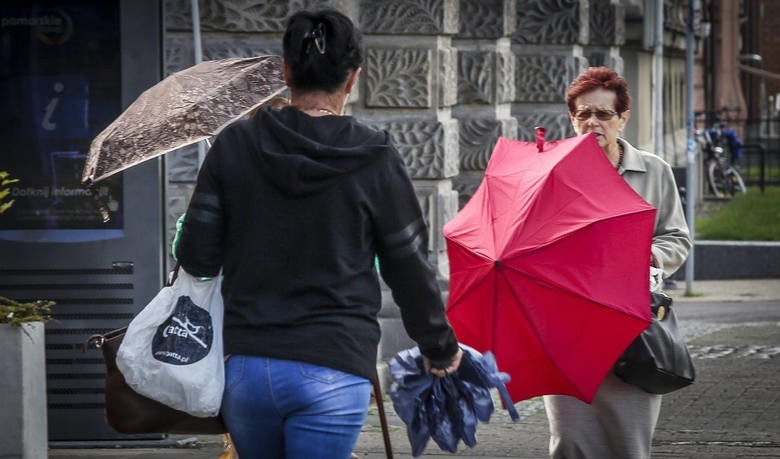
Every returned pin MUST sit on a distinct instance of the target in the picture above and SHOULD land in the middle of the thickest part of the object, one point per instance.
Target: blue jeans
(285, 409)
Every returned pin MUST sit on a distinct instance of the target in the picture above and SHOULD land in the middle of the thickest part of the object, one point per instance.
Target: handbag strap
(96, 341)
(173, 274)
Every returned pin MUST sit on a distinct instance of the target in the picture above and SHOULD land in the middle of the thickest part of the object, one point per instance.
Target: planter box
(23, 423)
(734, 260)
(737, 260)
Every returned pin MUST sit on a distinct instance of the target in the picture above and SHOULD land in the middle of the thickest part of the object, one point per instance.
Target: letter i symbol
(47, 124)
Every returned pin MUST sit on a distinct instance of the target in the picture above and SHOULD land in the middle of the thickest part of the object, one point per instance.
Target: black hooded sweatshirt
(294, 209)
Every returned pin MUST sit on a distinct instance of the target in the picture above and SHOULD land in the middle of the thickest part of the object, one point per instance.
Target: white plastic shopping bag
(172, 350)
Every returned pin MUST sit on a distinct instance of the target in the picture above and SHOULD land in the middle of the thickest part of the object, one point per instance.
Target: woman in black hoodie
(294, 205)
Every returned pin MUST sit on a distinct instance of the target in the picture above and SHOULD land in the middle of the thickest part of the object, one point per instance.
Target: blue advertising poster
(59, 87)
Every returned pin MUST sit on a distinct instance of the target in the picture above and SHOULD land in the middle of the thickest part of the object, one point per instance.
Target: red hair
(599, 78)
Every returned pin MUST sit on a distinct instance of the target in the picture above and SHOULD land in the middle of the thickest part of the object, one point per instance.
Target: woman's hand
(442, 372)
(656, 279)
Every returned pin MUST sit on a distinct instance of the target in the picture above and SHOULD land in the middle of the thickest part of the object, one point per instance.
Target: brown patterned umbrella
(184, 108)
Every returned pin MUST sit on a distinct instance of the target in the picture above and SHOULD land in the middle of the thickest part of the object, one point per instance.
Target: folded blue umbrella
(447, 409)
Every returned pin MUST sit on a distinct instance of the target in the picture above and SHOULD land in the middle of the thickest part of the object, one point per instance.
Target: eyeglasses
(603, 115)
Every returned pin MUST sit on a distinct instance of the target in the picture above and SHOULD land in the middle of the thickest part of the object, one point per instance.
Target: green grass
(753, 216)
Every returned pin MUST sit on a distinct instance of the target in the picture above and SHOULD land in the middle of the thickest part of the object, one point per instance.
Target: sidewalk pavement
(732, 410)
(727, 290)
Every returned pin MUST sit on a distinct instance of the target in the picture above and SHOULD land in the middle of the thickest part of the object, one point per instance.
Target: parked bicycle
(722, 150)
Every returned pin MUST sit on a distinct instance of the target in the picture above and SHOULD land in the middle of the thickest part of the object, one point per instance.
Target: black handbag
(658, 361)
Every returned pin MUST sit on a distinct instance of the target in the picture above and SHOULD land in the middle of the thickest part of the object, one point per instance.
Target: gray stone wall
(445, 78)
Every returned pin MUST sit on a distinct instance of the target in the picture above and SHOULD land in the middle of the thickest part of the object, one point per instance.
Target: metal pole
(658, 79)
(198, 55)
(690, 171)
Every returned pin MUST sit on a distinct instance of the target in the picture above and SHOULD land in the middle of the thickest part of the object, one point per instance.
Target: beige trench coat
(621, 420)
(651, 177)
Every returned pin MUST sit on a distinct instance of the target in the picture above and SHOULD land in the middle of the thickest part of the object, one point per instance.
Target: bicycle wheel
(716, 179)
(736, 184)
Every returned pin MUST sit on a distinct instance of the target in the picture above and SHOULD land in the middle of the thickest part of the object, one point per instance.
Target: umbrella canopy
(184, 108)
(446, 409)
(549, 266)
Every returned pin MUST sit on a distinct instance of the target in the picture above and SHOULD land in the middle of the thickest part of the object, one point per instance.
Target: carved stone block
(448, 77)
(246, 15)
(544, 78)
(478, 137)
(506, 66)
(485, 77)
(486, 18)
(476, 77)
(245, 45)
(429, 148)
(418, 17)
(558, 125)
(602, 57)
(548, 22)
(178, 15)
(178, 52)
(251, 15)
(466, 184)
(398, 77)
(439, 204)
(606, 26)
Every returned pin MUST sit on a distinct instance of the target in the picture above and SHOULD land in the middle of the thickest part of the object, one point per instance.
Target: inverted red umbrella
(549, 266)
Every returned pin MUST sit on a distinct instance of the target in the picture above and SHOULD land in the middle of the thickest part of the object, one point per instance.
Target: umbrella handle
(503, 392)
(382, 417)
(100, 201)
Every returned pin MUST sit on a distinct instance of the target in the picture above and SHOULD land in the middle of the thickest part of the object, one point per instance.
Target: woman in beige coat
(621, 420)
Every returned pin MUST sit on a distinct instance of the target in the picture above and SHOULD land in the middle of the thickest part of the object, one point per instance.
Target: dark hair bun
(321, 48)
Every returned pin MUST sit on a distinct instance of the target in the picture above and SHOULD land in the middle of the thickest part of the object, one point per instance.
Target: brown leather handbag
(131, 413)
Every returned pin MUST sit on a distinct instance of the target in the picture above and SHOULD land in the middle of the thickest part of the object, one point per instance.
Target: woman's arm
(200, 244)
(671, 237)
(402, 246)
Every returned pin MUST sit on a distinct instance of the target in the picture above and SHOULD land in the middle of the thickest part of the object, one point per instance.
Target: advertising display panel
(68, 68)
(60, 87)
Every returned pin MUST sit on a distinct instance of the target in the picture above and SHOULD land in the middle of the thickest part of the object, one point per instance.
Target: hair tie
(316, 35)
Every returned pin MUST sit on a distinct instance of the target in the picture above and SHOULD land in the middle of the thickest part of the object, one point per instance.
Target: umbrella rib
(571, 230)
(144, 159)
(534, 330)
(470, 269)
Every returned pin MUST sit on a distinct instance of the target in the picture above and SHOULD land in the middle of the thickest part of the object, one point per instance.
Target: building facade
(446, 78)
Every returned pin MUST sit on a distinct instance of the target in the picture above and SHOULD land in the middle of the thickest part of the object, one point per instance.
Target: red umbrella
(549, 266)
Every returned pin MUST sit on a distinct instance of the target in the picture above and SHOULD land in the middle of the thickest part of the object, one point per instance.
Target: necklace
(620, 156)
(326, 111)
